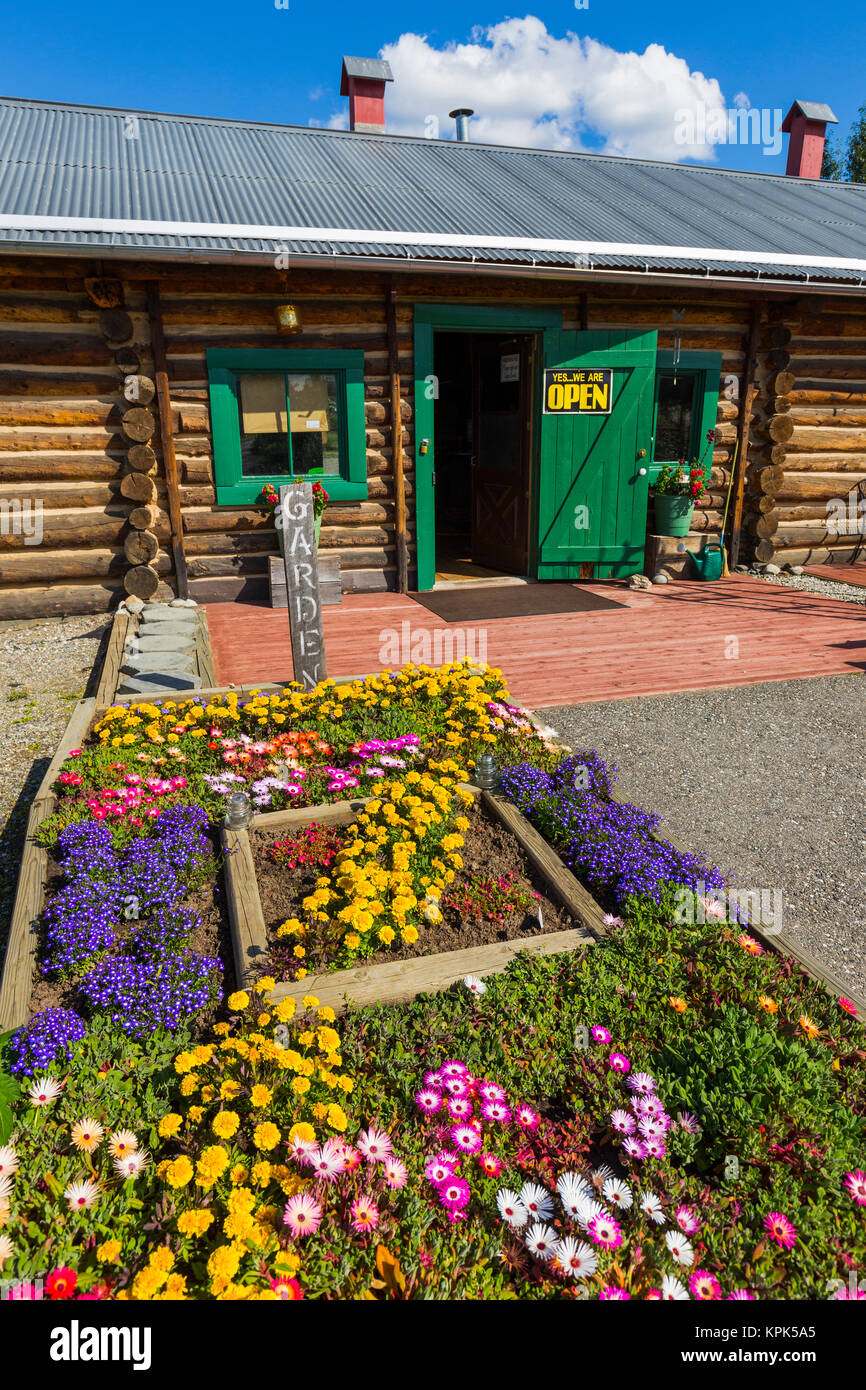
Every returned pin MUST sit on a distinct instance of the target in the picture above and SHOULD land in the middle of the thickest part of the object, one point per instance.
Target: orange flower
(836, 1066)
(749, 944)
(767, 1003)
(809, 1026)
(679, 1004)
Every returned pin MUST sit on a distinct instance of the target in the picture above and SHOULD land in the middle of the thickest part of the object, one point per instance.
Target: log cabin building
(484, 353)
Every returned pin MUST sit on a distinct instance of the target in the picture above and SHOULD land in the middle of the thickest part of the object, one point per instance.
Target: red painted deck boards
(845, 574)
(684, 636)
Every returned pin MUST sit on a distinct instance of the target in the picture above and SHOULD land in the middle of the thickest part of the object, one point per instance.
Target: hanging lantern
(288, 318)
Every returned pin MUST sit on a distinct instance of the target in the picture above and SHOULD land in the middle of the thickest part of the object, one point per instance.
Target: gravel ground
(812, 584)
(45, 666)
(766, 781)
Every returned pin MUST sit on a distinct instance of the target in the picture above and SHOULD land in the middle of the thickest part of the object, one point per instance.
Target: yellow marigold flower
(302, 1130)
(208, 1093)
(337, 1118)
(224, 1262)
(265, 984)
(194, 1114)
(225, 1124)
(108, 1251)
(768, 1004)
(169, 1126)
(310, 1001)
(239, 1000)
(189, 1084)
(261, 1173)
(678, 1004)
(184, 1062)
(346, 1084)
(300, 1085)
(266, 1135)
(238, 1174)
(285, 1010)
(194, 1223)
(162, 1258)
(175, 1287)
(222, 1028)
(261, 1096)
(212, 1163)
(179, 1172)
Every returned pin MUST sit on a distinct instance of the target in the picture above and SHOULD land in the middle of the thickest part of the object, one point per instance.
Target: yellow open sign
(578, 391)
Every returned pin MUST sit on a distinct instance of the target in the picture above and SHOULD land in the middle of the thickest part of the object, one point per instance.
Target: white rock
(660, 578)
(183, 603)
(772, 569)
(133, 605)
(638, 581)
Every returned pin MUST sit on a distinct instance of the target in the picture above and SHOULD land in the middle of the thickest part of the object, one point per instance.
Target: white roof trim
(143, 226)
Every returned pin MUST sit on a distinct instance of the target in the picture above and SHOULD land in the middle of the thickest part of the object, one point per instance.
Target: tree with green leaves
(848, 165)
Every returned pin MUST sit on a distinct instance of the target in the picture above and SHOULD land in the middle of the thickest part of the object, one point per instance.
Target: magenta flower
(437, 1171)
(781, 1230)
(467, 1139)
(454, 1193)
(456, 1085)
(429, 1101)
(433, 1079)
(302, 1215)
(642, 1083)
(622, 1121)
(452, 1069)
(606, 1232)
(459, 1107)
(488, 1090)
(496, 1111)
(611, 1292)
(687, 1221)
(365, 1215)
(374, 1144)
(740, 1296)
(619, 1062)
(856, 1185)
(704, 1285)
(526, 1117)
(396, 1173)
(490, 1165)
(599, 1034)
(655, 1148)
(634, 1148)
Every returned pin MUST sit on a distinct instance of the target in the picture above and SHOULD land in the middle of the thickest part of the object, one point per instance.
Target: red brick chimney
(806, 124)
(363, 81)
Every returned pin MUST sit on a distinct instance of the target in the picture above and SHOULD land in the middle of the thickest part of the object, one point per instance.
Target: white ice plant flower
(672, 1290)
(541, 1241)
(651, 1206)
(576, 1258)
(474, 985)
(537, 1201)
(617, 1194)
(44, 1090)
(8, 1160)
(680, 1249)
(511, 1209)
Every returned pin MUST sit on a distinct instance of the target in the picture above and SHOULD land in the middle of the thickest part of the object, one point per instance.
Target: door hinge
(433, 475)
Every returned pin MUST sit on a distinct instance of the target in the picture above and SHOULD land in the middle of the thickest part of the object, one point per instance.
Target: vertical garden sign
(302, 583)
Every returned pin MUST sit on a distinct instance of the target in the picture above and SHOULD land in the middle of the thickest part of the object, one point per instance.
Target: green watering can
(709, 561)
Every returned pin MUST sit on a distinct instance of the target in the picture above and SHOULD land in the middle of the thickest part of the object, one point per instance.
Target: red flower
(289, 1290)
(61, 1283)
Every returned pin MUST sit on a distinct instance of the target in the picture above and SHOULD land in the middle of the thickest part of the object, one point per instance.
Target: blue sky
(621, 83)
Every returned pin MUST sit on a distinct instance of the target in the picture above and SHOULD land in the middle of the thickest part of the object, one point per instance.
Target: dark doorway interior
(482, 444)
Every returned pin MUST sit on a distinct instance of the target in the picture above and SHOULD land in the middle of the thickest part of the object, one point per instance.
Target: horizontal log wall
(815, 421)
(62, 441)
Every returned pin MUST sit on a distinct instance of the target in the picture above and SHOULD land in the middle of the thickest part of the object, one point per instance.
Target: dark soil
(489, 851)
(211, 938)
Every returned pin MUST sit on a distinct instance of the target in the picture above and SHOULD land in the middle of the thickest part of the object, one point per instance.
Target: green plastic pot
(673, 515)
(709, 561)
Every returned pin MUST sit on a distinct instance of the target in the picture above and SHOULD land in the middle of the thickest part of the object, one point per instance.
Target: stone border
(780, 943)
(395, 981)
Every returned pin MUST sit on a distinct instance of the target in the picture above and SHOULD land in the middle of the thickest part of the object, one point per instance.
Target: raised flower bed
(560, 1125)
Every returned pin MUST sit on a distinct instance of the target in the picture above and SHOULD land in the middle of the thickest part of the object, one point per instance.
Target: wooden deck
(843, 574)
(686, 636)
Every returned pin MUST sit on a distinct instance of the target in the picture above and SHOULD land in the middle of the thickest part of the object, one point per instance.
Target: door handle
(641, 453)
(641, 472)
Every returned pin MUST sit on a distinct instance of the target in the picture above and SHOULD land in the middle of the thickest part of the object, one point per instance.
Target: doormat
(510, 601)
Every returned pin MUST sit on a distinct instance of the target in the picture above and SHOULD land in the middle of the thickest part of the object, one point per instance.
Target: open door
(596, 430)
(500, 452)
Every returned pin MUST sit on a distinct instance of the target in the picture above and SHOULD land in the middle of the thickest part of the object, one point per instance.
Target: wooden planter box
(393, 981)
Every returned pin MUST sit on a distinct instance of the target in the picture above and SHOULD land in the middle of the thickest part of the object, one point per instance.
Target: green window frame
(706, 370)
(226, 365)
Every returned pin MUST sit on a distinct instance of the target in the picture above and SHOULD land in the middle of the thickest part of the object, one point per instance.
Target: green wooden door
(592, 495)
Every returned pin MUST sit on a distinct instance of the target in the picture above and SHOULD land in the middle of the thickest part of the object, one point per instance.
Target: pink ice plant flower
(622, 1121)
(642, 1083)
(856, 1185)
(604, 1231)
(454, 1193)
(704, 1286)
(436, 1171)
(467, 1139)
(687, 1220)
(429, 1101)
(396, 1173)
(488, 1090)
(374, 1144)
(459, 1107)
(612, 1293)
(496, 1111)
(619, 1062)
(526, 1117)
(781, 1230)
(600, 1034)
(302, 1215)
(365, 1215)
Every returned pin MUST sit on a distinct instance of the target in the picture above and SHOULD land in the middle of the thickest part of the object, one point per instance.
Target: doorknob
(641, 472)
(641, 453)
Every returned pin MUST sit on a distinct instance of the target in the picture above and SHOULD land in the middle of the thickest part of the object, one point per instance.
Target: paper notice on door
(509, 367)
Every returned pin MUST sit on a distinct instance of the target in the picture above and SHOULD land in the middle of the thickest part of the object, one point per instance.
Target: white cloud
(530, 88)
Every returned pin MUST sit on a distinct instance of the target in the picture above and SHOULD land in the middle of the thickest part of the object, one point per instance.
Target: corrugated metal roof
(229, 187)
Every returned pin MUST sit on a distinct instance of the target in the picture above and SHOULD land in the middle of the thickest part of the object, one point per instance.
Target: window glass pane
(314, 422)
(264, 436)
(674, 420)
